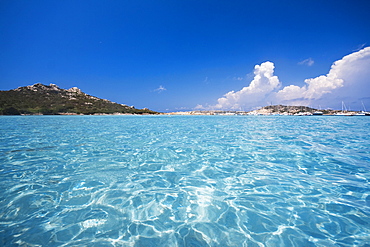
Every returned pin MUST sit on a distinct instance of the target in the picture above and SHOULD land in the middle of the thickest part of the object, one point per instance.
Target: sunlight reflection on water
(184, 181)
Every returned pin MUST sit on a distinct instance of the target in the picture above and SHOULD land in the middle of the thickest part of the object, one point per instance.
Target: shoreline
(352, 114)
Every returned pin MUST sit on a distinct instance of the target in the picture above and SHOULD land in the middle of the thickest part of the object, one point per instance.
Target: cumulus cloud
(350, 71)
(347, 79)
(199, 107)
(308, 62)
(263, 84)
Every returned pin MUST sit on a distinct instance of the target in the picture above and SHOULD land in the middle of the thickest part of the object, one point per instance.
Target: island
(40, 99)
(276, 110)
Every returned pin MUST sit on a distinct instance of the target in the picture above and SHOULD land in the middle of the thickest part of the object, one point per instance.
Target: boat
(361, 113)
(344, 111)
(317, 113)
(344, 114)
(303, 114)
(364, 112)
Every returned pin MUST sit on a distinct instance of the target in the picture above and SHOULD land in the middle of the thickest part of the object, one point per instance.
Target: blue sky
(184, 55)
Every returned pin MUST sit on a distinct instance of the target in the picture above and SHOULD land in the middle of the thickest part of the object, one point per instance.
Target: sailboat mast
(363, 106)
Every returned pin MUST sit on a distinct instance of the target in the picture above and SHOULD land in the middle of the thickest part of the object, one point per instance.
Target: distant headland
(277, 110)
(40, 99)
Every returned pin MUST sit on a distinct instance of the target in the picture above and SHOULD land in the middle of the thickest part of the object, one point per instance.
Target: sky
(192, 55)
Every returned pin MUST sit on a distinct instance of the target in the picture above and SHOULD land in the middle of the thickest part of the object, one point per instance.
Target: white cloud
(263, 84)
(160, 89)
(347, 79)
(308, 62)
(346, 75)
(291, 92)
(199, 107)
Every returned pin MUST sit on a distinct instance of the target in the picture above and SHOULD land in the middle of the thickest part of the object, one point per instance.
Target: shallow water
(184, 181)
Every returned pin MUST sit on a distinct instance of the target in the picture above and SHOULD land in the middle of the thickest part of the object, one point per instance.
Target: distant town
(278, 110)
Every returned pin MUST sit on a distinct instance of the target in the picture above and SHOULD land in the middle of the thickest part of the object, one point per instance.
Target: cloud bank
(347, 79)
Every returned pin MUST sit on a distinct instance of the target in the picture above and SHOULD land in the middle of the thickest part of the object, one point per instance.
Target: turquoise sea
(184, 181)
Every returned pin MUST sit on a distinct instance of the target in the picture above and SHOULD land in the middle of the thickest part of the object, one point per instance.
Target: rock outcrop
(53, 100)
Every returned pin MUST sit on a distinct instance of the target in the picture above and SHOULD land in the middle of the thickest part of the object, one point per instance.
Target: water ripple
(184, 181)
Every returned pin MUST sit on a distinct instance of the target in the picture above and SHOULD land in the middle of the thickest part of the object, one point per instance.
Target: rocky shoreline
(272, 110)
(40, 99)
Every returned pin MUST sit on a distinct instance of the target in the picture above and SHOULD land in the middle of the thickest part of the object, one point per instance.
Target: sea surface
(184, 181)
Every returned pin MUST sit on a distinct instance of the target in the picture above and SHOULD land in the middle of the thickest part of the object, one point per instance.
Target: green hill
(52, 100)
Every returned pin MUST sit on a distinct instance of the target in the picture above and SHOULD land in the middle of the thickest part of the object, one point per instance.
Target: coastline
(257, 113)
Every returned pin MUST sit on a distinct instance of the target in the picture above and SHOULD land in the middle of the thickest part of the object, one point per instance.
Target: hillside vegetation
(52, 100)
